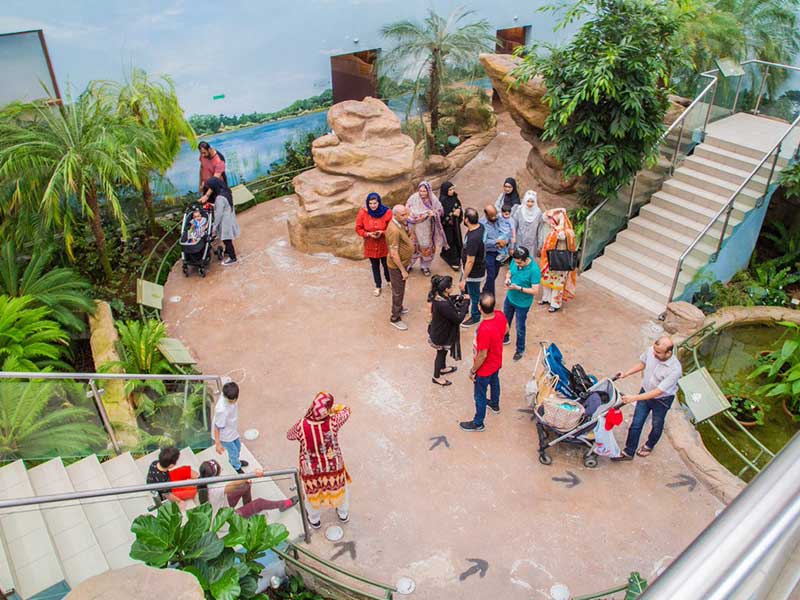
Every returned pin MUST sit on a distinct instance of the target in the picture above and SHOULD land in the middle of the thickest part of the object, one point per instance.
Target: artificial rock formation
(683, 318)
(367, 152)
(524, 103)
(139, 582)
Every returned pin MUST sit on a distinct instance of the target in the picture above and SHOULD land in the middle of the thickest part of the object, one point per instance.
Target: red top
(181, 474)
(373, 247)
(211, 167)
(490, 337)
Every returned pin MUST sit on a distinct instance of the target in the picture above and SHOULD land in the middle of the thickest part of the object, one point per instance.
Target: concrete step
(651, 306)
(78, 550)
(698, 195)
(657, 250)
(638, 281)
(679, 224)
(144, 463)
(714, 184)
(691, 210)
(733, 159)
(625, 255)
(724, 172)
(188, 457)
(210, 453)
(738, 149)
(32, 560)
(106, 515)
(123, 471)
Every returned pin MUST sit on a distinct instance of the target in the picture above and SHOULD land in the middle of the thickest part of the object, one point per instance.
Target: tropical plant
(139, 354)
(607, 90)
(65, 162)
(780, 370)
(745, 405)
(785, 241)
(226, 567)
(154, 105)
(789, 179)
(40, 419)
(435, 46)
(29, 339)
(769, 284)
(770, 30)
(462, 106)
(294, 588)
(64, 292)
(577, 217)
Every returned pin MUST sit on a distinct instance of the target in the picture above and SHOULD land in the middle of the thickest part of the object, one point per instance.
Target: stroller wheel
(545, 459)
(590, 462)
(202, 272)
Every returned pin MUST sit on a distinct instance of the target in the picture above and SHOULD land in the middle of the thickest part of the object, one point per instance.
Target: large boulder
(139, 582)
(367, 152)
(525, 104)
(683, 318)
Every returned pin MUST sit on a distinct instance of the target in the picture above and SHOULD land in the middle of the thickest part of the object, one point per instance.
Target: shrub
(29, 339)
(780, 370)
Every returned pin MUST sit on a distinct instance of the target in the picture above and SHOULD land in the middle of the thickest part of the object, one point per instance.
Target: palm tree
(65, 161)
(770, 27)
(29, 340)
(154, 105)
(435, 46)
(62, 290)
(39, 420)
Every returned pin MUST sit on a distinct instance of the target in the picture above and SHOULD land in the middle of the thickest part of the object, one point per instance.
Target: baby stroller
(196, 251)
(569, 404)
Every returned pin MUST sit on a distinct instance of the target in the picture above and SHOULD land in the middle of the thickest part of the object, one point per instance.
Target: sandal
(553, 309)
(644, 451)
(448, 370)
(426, 272)
(446, 382)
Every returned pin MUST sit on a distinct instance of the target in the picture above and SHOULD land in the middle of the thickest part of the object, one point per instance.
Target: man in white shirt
(226, 425)
(659, 386)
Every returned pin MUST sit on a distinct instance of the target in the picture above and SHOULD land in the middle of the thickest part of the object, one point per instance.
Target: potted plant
(745, 409)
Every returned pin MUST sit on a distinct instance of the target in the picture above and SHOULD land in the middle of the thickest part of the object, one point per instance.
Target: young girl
(197, 226)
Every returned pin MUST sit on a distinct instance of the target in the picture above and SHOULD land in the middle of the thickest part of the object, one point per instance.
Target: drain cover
(559, 592)
(334, 533)
(251, 434)
(405, 585)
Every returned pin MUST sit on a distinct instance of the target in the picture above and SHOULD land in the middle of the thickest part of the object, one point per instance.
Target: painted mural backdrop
(230, 59)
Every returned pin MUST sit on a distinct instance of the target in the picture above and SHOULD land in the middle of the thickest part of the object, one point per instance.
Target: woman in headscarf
(425, 221)
(509, 196)
(322, 469)
(444, 331)
(528, 223)
(451, 223)
(371, 224)
(225, 226)
(558, 286)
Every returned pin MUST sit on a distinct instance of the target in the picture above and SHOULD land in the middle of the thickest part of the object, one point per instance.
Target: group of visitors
(215, 193)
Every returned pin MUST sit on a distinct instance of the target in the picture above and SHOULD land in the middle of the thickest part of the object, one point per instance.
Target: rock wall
(525, 104)
(367, 152)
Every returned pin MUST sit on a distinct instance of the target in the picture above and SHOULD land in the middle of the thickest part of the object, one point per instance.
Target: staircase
(47, 550)
(641, 263)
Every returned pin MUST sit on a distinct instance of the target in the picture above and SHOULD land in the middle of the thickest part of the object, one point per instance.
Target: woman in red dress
(371, 224)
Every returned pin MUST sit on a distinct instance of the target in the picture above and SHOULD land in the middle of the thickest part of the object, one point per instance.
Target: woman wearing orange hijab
(322, 469)
(558, 286)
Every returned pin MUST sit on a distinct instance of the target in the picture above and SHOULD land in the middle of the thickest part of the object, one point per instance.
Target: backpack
(579, 381)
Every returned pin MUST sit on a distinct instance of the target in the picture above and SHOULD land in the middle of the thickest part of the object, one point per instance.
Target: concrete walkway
(287, 325)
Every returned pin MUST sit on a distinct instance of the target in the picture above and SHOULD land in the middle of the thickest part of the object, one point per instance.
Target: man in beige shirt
(400, 251)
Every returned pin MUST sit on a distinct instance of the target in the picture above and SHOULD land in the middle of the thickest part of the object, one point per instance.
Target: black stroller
(588, 401)
(196, 246)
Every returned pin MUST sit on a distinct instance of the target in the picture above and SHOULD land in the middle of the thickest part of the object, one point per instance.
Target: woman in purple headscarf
(425, 221)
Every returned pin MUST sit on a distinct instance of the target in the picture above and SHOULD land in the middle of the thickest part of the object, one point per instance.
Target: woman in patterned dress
(425, 214)
(557, 286)
(322, 468)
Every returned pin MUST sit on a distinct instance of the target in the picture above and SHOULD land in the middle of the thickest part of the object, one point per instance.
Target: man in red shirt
(212, 164)
(488, 359)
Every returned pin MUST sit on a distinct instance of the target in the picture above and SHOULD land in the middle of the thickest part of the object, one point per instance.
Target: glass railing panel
(603, 225)
(781, 98)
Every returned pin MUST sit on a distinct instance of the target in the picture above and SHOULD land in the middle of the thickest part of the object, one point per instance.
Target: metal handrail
(727, 207)
(747, 546)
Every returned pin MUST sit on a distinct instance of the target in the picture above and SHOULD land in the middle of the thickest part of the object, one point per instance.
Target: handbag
(562, 260)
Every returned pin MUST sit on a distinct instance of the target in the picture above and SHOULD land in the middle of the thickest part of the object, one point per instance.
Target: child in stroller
(196, 238)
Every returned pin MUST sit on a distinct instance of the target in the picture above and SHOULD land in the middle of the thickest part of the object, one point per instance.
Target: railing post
(710, 108)
(302, 504)
(725, 226)
(583, 242)
(633, 195)
(98, 401)
(771, 173)
(677, 148)
(736, 96)
(761, 89)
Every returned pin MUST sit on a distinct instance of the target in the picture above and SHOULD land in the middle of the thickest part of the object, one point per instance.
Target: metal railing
(95, 392)
(724, 213)
(747, 551)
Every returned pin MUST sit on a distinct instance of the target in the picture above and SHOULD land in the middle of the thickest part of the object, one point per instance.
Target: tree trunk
(433, 103)
(147, 197)
(99, 234)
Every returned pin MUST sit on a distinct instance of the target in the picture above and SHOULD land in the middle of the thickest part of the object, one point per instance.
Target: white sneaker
(377, 292)
(399, 325)
(404, 311)
(228, 262)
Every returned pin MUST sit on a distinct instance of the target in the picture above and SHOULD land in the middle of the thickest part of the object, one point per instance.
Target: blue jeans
(474, 291)
(481, 383)
(492, 268)
(659, 408)
(233, 448)
(510, 309)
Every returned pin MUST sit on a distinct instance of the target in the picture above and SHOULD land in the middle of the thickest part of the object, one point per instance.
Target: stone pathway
(287, 325)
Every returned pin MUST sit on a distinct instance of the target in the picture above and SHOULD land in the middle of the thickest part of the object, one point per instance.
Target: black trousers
(439, 363)
(229, 249)
(376, 263)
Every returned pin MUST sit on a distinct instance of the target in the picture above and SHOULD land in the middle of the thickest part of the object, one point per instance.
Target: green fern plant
(780, 370)
(785, 241)
(62, 290)
(29, 339)
(769, 284)
(40, 419)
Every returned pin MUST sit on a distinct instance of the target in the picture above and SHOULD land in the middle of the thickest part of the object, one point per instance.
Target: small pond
(730, 356)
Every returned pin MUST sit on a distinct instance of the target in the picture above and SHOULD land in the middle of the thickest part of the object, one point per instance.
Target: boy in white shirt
(226, 425)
